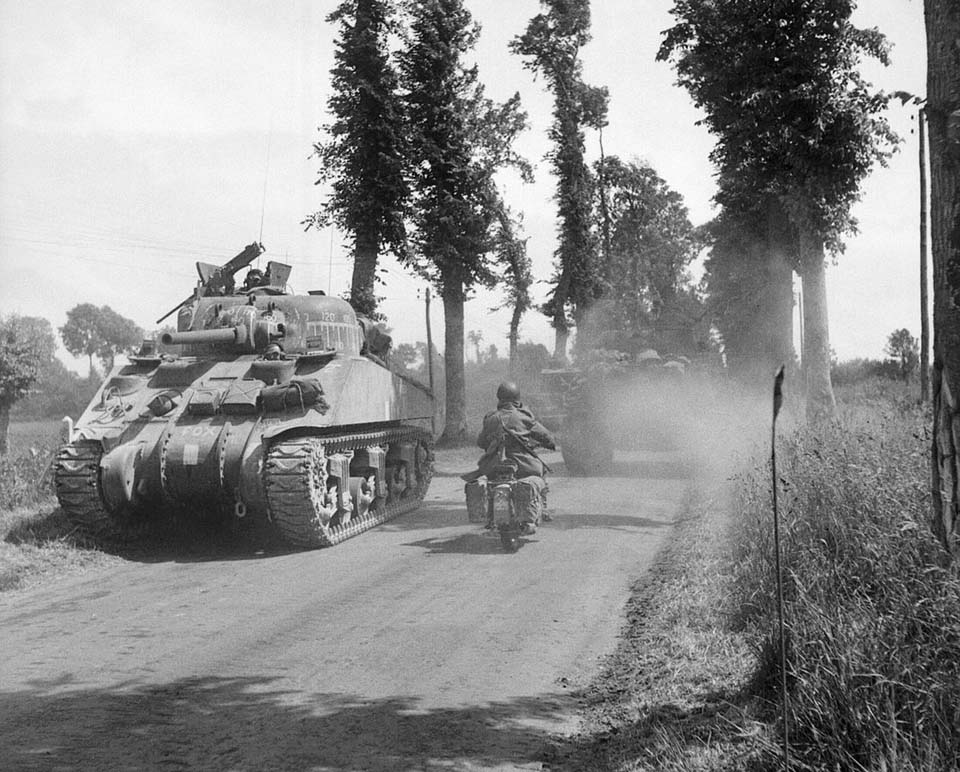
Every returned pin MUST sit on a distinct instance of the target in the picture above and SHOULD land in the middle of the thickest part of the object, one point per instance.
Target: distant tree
(476, 338)
(102, 332)
(795, 122)
(27, 343)
(364, 155)
(57, 392)
(650, 245)
(943, 120)
(903, 347)
(551, 45)
(512, 255)
(406, 355)
(491, 354)
(459, 139)
(120, 336)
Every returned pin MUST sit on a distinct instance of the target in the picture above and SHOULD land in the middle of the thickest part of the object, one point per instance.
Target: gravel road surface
(419, 645)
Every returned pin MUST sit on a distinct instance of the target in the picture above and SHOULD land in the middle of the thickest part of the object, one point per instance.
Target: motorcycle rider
(511, 434)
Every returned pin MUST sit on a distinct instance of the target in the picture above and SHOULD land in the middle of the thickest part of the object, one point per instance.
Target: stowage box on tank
(276, 408)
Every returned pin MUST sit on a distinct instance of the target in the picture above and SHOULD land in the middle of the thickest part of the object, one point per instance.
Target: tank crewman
(252, 280)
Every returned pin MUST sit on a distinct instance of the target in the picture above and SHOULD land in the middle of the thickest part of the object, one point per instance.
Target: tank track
(290, 476)
(76, 477)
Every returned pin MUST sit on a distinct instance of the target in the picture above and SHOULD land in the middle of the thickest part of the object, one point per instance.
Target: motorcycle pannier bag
(529, 498)
(476, 493)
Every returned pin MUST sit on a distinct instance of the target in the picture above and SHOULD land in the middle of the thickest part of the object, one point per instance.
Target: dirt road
(419, 645)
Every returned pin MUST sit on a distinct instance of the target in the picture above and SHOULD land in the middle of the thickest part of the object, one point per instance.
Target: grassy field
(37, 540)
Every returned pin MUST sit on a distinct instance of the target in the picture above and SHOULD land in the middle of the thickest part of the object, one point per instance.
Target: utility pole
(433, 417)
(924, 316)
(429, 341)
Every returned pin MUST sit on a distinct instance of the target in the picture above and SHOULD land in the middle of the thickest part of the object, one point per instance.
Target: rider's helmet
(508, 392)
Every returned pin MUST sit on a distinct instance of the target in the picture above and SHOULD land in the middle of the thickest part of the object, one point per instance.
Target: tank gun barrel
(217, 335)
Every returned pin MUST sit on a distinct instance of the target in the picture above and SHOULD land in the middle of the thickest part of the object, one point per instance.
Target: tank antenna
(266, 171)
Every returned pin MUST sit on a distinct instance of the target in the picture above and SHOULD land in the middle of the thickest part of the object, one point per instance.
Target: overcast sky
(138, 137)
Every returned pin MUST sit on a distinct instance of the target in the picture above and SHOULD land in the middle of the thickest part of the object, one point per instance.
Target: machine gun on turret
(218, 279)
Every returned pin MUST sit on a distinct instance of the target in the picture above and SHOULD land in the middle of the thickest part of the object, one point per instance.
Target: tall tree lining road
(418, 645)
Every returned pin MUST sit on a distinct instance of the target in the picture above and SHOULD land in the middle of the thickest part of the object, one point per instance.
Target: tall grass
(873, 616)
(25, 470)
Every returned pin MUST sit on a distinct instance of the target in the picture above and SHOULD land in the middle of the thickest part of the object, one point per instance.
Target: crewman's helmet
(508, 392)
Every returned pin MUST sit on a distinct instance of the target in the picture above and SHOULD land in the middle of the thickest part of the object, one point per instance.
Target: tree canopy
(27, 345)
(364, 155)
(102, 332)
(795, 121)
(551, 45)
(459, 140)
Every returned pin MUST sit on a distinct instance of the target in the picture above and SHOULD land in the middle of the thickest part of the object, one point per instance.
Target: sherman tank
(278, 407)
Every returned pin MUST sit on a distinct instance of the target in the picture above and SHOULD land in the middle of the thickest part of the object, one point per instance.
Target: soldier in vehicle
(253, 279)
(512, 434)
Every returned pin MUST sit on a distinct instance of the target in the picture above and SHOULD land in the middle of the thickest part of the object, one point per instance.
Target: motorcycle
(511, 506)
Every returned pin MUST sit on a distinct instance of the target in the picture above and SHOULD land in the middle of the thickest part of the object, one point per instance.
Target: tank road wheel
(301, 488)
(295, 481)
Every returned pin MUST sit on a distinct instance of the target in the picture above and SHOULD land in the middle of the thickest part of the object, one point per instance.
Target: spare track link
(288, 479)
(76, 477)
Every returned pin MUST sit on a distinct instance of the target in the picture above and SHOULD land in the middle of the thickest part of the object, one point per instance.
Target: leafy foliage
(364, 155)
(795, 123)
(100, 332)
(511, 252)
(551, 44)
(781, 91)
(459, 139)
(27, 344)
(650, 245)
(57, 392)
(903, 347)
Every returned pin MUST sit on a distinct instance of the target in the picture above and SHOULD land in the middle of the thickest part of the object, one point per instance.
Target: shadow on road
(565, 522)
(478, 543)
(248, 724)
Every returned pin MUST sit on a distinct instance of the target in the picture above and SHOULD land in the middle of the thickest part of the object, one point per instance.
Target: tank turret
(278, 409)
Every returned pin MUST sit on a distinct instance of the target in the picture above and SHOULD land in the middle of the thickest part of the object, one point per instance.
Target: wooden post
(429, 342)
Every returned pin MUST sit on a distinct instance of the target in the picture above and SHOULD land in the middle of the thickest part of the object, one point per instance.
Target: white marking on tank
(191, 454)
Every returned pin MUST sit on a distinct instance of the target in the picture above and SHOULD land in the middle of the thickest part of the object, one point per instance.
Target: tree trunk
(776, 315)
(363, 296)
(778, 346)
(821, 404)
(942, 19)
(561, 336)
(4, 426)
(514, 336)
(455, 428)
(924, 300)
